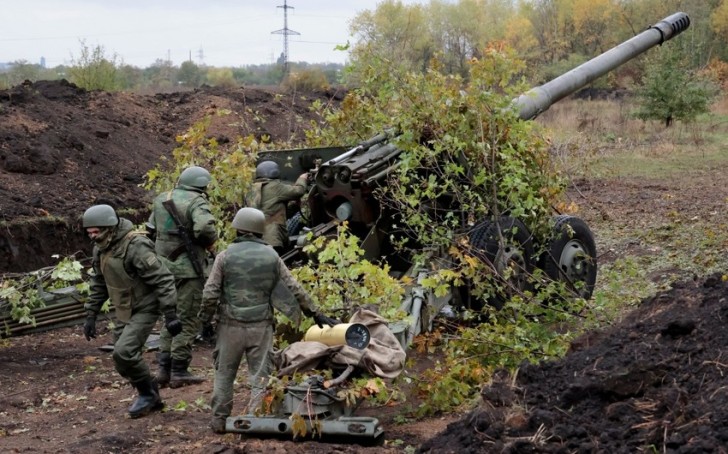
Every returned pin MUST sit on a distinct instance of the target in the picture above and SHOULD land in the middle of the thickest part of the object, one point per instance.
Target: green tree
(93, 70)
(270, 74)
(190, 75)
(411, 35)
(670, 92)
(719, 19)
(221, 77)
(161, 75)
(306, 80)
(550, 27)
(595, 24)
(519, 35)
(394, 32)
(21, 71)
(130, 77)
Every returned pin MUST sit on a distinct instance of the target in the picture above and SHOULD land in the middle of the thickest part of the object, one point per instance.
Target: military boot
(165, 366)
(217, 425)
(181, 376)
(148, 400)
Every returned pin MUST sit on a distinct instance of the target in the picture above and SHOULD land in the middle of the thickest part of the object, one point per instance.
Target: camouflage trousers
(129, 345)
(189, 298)
(235, 340)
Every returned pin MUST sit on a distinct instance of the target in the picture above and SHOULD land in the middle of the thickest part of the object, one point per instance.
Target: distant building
(42, 62)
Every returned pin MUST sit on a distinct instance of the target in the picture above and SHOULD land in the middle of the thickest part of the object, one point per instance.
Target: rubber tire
(295, 224)
(477, 243)
(558, 262)
(518, 245)
(477, 236)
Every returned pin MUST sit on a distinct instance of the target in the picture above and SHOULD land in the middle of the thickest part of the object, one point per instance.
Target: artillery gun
(344, 188)
(345, 181)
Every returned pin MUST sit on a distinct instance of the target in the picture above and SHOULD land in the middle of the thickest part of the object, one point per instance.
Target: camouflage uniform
(271, 196)
(140, 288)
(194, 211)
(247, 280)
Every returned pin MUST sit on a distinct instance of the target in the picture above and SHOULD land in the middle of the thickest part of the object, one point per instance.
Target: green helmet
(268, 169)
(249, 220)
(195, 176)
(100, 216)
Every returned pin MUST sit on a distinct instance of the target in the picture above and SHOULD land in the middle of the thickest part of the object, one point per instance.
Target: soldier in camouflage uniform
(128, 272)
(247, 280)
(175, 353)
(270, 195)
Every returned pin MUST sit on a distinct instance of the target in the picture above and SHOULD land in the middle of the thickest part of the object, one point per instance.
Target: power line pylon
(286, 32)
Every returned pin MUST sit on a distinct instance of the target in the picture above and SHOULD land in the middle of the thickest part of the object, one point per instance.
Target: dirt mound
(63, 148)
(654, 383)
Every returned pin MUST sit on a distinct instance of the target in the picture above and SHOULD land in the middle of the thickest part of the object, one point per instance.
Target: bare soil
(654, 382)
(61, 393)
(63, 149)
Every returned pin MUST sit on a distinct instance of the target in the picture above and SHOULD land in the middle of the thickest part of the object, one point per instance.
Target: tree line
(551, 36)
(94, 68)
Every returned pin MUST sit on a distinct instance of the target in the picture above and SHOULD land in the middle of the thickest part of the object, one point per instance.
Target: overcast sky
(213, 32)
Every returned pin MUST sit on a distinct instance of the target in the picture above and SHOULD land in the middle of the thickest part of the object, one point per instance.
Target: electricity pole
(285, 31)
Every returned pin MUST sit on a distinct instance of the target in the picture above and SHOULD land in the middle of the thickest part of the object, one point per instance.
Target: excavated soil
(63, 149)
(655, 382)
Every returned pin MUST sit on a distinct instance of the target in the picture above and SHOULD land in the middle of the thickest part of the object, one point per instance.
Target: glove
(321, 320)
(172, 323)
(151, 231)
(89, 327)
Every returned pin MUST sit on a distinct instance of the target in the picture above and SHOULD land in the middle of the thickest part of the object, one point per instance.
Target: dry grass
(720, 107)
(600, 137)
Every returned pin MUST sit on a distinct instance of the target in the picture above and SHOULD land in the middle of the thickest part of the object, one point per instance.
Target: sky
(212, 32)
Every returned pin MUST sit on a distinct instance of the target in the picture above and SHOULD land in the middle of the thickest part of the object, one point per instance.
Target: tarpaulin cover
(384, 357)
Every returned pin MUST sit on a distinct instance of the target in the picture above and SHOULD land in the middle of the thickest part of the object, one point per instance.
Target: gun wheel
(295, 224)
(572, 255)
(507, 245)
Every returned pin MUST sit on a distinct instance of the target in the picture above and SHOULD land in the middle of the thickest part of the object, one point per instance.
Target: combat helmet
(249, 220)
(100, 216)
(268, 169)
(195, 176)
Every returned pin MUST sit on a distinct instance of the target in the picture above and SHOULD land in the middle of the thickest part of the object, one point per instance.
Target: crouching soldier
(240, 287)
(128, 272)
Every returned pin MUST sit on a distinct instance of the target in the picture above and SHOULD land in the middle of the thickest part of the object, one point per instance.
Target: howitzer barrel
(530, 104)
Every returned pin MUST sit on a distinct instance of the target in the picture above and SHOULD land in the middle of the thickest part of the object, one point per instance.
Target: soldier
(271, 195)
(183, 249)
(140, 287)
(242, 282)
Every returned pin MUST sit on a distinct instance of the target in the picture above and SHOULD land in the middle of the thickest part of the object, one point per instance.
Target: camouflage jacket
(271, 197)
(248, 280)
(130, 274)
(195, 213)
